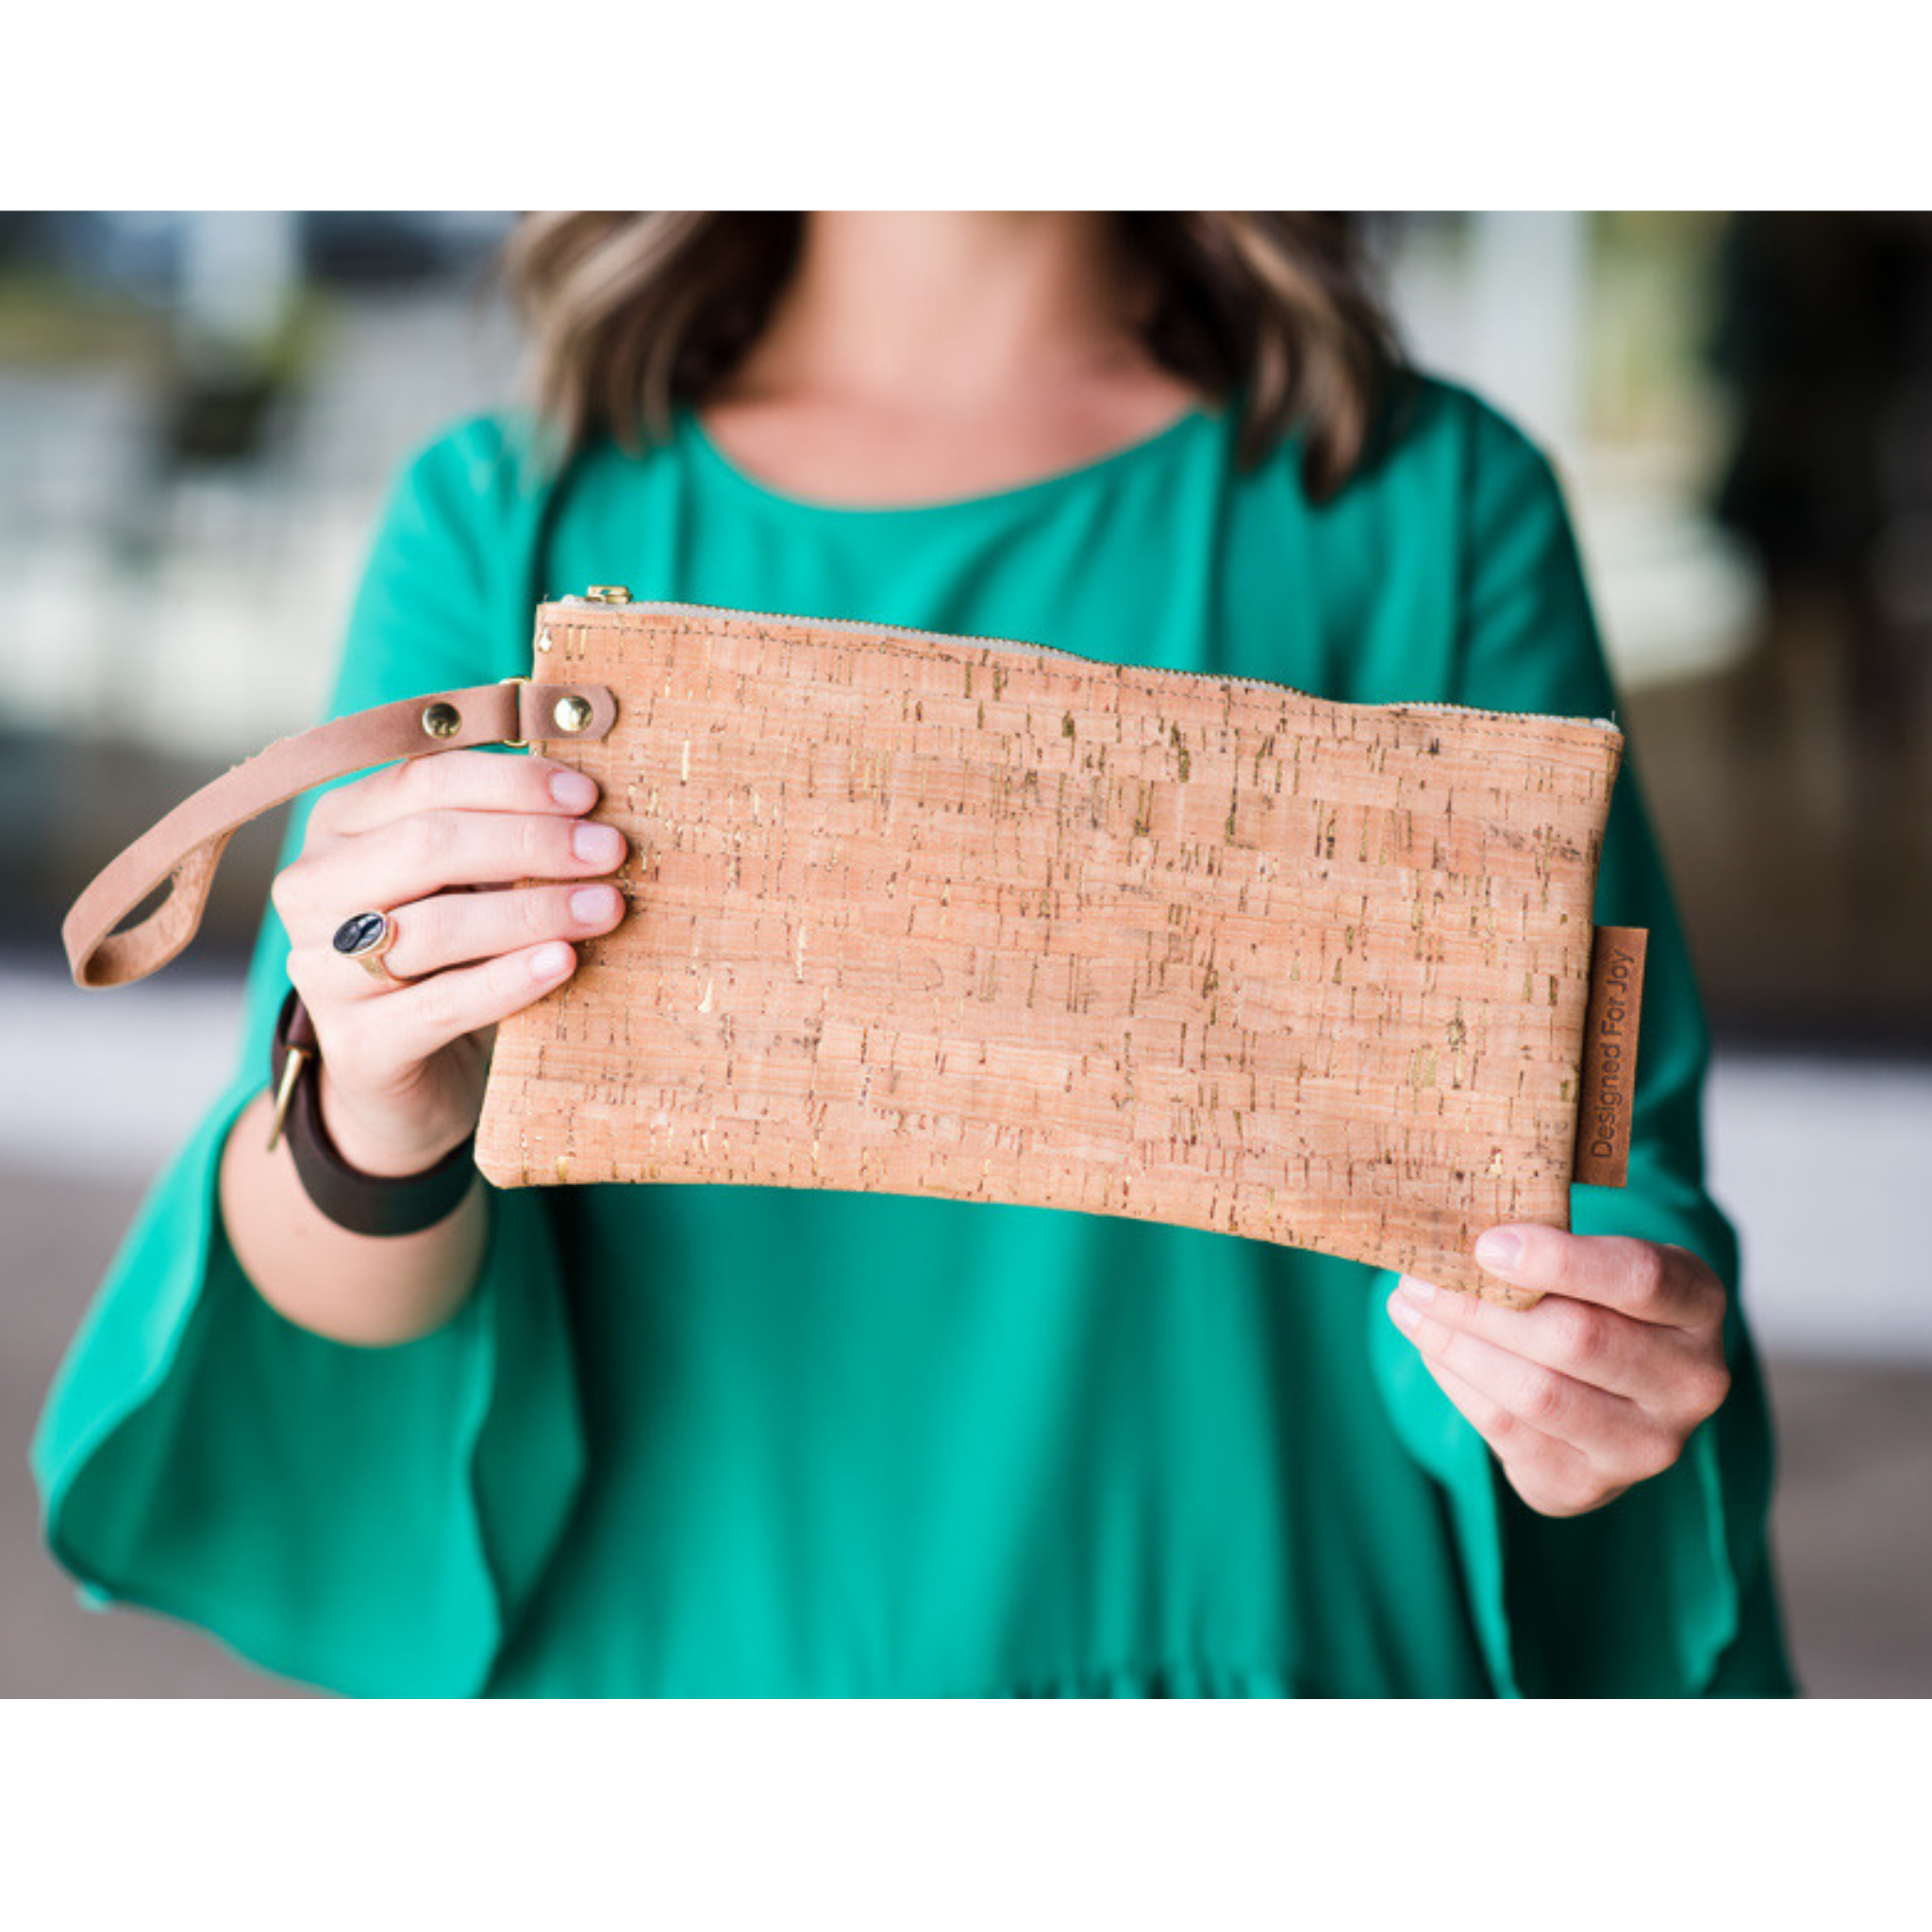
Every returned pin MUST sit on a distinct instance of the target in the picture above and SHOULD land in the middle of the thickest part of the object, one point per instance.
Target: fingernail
(597, 845)
(1499, 1249)
(1403, 1312)
(571, 789)
(592, 905)
(1423, 1291)
(551, 961)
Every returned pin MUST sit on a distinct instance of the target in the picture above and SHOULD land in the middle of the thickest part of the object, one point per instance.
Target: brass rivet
(608, 593)
(442, 720)
(573, 714)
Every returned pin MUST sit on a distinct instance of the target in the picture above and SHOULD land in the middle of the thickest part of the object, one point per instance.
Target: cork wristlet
(931, 915)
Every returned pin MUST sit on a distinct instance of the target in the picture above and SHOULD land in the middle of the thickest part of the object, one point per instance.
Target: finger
(459, 925)
(452, 781)
(1552, 1476)
(1607, 1430)
(409, 1024)
(433, 851)
(1667, 1285)
(1593, 1344)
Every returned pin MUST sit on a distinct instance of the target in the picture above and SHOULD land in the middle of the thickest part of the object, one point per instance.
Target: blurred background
(200, 412)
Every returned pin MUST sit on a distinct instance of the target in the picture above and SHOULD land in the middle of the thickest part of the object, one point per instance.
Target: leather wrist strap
(186, 846)
(363, 1203)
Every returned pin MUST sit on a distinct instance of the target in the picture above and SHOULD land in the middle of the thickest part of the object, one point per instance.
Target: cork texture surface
(931, 916)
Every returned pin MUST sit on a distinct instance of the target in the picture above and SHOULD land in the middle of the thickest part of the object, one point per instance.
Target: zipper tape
(899, 633)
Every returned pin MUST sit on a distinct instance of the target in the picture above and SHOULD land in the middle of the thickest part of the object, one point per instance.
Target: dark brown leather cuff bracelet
(363, 1203)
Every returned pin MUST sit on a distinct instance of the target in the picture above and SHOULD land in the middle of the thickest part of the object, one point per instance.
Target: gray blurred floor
(1854, 1512)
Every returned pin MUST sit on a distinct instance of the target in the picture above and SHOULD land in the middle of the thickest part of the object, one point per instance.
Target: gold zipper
(608, 595)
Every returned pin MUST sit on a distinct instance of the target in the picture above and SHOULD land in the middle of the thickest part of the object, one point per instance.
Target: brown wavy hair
(632, 314)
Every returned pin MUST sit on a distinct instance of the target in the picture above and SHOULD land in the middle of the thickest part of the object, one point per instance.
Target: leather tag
(1610, 1057)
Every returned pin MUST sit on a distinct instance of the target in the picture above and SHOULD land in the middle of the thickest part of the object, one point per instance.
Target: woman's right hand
(436, 841)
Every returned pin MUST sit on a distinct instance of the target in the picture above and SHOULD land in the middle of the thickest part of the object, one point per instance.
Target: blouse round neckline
(1052, 483)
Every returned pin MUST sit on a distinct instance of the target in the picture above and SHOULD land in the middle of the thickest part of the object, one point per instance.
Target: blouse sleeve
(368, 1520)
(1669, 1590)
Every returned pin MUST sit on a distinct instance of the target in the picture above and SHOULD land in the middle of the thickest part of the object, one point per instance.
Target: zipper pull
(607, 593)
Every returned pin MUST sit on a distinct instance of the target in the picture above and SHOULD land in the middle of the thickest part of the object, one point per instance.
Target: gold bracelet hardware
(292, 1071)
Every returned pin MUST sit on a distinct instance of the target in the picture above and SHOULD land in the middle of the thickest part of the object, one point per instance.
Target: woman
(710, 1441)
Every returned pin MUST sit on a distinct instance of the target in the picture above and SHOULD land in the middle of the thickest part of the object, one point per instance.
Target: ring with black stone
(365, 936)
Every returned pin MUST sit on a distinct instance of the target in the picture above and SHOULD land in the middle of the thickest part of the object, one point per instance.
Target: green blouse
(690, 1440)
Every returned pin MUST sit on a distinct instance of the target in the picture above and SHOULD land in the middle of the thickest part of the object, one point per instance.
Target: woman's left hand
(1600, 1384)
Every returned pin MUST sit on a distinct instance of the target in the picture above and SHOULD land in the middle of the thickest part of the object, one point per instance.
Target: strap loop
(187, 845)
